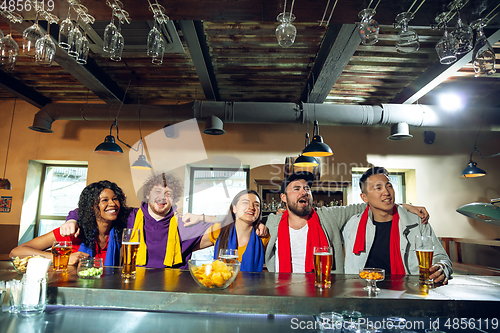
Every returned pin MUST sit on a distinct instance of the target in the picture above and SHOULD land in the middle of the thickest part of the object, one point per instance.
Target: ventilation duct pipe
(283, 113)
(128, 112)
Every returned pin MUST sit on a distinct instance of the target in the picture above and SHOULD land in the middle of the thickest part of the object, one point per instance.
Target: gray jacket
(409, 227)
(331, 219)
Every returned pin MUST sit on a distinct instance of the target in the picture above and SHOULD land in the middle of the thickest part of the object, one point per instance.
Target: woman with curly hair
(103, 215)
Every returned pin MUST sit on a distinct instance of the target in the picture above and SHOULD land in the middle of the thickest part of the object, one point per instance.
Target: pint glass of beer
(424, 247)
(60, 255)
(130, 245)
(323, 259)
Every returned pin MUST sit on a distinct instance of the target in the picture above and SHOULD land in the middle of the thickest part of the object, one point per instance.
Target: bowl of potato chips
(214, 274)
(20, 263)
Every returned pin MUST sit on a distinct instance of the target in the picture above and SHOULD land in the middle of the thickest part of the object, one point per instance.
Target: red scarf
(315, 237)
(397, 267)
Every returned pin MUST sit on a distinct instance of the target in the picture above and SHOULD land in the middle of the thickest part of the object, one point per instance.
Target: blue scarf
(253, 258)
(113, 253)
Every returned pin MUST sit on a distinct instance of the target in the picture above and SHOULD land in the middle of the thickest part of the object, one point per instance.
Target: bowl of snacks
(90, 268)
(372, 275)
(214, 274)
(20, 263)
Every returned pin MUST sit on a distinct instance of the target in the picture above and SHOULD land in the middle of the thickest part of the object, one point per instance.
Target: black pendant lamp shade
(317, 148)
(141, 163)
(472, 171)
(5, 184)
(108, 147)
(306, 161)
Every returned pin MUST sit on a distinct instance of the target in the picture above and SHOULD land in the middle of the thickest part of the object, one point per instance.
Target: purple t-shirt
(156, 235)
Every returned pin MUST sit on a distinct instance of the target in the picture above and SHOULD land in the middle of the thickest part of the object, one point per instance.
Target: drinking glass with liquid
(130, 245)
(424, 248)
(323, 260)
(60, 255)
(228, 254)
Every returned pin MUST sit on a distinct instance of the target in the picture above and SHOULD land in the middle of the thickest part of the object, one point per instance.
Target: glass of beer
(424, 248)
(323, 259)
(60, 255)
(130, 244)
(227, 255)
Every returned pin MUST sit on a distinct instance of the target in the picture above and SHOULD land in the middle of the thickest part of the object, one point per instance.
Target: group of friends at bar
(378, 233)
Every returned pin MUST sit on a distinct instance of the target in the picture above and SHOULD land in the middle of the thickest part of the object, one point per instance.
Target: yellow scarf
(173, 254)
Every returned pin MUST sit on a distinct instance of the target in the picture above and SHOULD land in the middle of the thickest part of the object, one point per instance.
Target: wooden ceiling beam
(339, 45)
(198, 49)
(21, 90)
(434, 75)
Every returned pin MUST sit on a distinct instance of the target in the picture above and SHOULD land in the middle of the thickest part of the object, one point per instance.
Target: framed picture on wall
(290, 168)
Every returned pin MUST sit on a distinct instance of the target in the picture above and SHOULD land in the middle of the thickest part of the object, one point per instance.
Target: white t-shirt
(298, 244)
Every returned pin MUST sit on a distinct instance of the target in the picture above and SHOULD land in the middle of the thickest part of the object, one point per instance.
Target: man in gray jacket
(302, 227)
(383, 236)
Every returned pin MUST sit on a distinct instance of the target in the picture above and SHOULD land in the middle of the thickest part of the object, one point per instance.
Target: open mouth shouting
(303, 201)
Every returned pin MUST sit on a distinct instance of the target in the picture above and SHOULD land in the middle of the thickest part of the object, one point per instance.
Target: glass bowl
(90, 268)
(372, 275)
(214, 274)
(20, 263)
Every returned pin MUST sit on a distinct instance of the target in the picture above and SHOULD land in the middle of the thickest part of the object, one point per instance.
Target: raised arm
(339, 215)
(70, 227)
(36, 246)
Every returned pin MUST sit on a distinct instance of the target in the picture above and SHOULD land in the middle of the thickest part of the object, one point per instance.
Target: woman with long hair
(103, 215)
(237, 231)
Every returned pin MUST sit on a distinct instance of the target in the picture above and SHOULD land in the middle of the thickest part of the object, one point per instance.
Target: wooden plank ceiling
(241, 60)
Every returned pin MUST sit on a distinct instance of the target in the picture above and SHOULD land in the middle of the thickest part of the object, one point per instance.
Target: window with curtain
(60, 189)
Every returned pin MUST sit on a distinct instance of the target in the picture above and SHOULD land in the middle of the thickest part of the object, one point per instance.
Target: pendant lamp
(317, 148)
(486, 212)
(4, 182)
(141, 163)
(472, 171)
(109, 146)
(306, 161)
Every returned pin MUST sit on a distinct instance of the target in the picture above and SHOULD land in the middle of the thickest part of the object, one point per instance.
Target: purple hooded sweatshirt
(156, 234)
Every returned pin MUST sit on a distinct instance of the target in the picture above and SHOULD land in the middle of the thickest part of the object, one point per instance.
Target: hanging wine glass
(76, 38)
(83, 52)
(463, 36)
(446, 48)
(65, 31)
(286, 31)
(368, 28)
(407, 39)
(9, 51)
(30, 36)
(117, 44)
(483, 56)
(154, 33)
(158, 51)
(109, 34)
(45, 48)
(1, 34)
